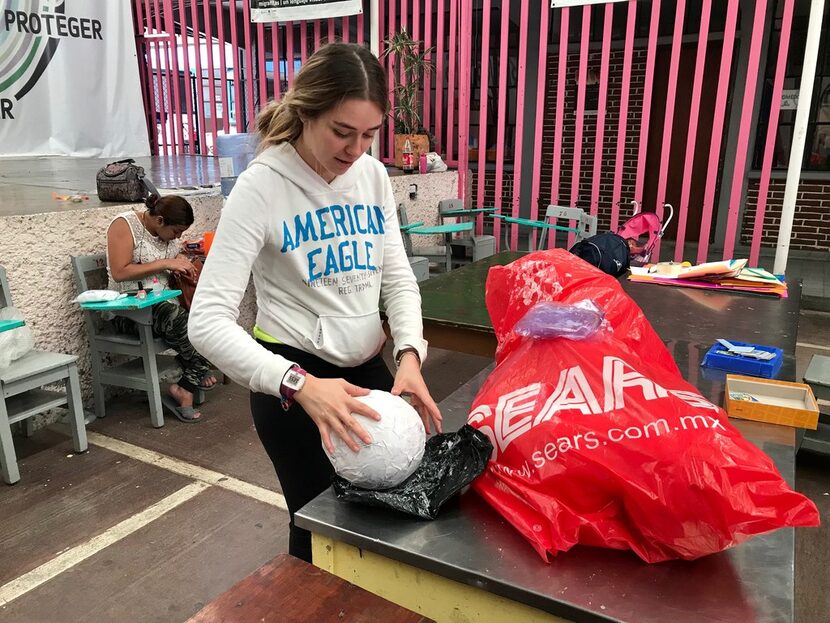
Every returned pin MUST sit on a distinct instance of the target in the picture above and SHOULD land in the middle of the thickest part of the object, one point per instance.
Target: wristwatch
(403, 351)
(292, 382)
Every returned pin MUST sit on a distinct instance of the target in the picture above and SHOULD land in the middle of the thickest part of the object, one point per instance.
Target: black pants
(292, 439)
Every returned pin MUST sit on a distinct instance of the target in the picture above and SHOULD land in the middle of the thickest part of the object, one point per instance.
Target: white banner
(69, 80)
(291, 10)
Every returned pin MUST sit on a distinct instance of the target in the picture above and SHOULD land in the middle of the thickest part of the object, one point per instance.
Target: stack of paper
(731, 275)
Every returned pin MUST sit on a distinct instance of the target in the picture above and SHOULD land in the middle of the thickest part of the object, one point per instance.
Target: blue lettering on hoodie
(332, 238)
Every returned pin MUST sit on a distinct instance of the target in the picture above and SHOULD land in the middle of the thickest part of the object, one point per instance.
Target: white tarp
(291, 10)
(69, 80)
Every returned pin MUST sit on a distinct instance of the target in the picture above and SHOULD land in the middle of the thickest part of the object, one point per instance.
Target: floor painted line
(71, 557)
(184, 468)
(808, 345)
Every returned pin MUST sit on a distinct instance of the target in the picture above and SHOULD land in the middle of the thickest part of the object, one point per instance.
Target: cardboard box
(767, 400)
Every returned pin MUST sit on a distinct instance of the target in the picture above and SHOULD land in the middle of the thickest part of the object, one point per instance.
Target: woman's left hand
(409, 381)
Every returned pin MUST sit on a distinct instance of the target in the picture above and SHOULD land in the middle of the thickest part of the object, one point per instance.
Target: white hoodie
(322, 255)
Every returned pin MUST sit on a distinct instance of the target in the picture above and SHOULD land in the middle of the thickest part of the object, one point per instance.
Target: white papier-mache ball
(397, 444)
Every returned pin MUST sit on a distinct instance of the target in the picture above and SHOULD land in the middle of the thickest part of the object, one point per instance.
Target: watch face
(294, 380)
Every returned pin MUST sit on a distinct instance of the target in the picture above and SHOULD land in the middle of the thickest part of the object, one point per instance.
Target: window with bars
(817, 145)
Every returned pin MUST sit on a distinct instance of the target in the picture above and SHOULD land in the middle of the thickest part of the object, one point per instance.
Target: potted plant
(408, 67)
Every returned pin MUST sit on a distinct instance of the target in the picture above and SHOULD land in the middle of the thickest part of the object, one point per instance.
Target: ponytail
(279, 122)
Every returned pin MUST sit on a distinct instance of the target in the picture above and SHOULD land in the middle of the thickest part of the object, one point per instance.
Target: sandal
(207, 388)
(188, 415)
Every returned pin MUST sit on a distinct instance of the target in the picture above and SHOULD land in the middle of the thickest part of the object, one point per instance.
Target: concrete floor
(151, 524)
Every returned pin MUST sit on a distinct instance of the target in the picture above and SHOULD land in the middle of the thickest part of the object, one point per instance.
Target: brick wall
(609, 151)
(811, 228)
(589, 128)
(811, 223)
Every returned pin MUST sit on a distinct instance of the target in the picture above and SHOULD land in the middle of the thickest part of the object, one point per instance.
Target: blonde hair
(334, 73)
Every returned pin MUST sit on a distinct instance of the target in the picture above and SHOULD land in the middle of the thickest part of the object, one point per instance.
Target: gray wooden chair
(22, 395)
(461, 245)
(472, 247)
(420, 265)
(146, 365)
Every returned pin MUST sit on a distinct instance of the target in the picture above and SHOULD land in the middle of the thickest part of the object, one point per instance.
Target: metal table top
(472, 544)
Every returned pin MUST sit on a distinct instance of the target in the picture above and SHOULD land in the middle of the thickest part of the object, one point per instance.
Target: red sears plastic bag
(600, 441)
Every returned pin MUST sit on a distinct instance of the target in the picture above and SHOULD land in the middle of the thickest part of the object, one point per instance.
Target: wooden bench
(290, 590)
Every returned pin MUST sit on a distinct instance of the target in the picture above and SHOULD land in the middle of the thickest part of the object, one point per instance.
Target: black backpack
(608, 252)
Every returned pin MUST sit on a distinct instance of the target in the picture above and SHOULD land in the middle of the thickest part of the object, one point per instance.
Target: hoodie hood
(285, 160)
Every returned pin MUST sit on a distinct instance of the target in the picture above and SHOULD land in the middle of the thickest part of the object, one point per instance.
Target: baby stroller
(642, 231)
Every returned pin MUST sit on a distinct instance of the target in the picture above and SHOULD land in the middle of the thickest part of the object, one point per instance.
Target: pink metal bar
(200, 87)
(211, 73)
(717, 129)
(668, 119)
(249, 66)
(360, 28)
(317, 33)
(502, 114)
(540, 117)
(691, 135)
(170, 27)
(237, 74)
(344, 29)
(303, 42)
(402, 24)
(561, 79)
(745, 127)
(653, 32)
(332, 30)
(289, 52)
(453, 60)
(390, 125)
(464, 77)
(175, 142)
(622, 125)
(596, 178)
(584, 46)
(262, 71)
(188, 99)
(481, 174)
(428, 74)
(165, 145)
(147, 48)
(416, 20)
(144, 62)
(223, 67)
(520, 110)
(772, 132)
(275, 58)
(439, 80)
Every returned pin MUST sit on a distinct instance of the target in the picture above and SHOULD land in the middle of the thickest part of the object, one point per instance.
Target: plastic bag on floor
(601, 442)
(451, 462)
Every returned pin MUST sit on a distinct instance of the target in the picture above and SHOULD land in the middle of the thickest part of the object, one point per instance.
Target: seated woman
(143, 246)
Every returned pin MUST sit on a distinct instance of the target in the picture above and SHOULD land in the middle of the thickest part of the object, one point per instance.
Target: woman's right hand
(330, 403)
(181, 266)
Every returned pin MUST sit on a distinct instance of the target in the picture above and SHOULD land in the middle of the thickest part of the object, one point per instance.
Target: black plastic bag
(451, 462)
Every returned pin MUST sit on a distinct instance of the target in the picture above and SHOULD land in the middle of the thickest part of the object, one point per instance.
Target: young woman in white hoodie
(314, 218)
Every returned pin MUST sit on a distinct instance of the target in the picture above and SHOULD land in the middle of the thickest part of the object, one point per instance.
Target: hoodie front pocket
(347, 340)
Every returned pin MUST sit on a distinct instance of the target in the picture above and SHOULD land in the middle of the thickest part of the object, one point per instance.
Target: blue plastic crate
(744, 365)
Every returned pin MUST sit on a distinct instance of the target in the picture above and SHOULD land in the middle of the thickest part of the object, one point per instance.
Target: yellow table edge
(421, 591)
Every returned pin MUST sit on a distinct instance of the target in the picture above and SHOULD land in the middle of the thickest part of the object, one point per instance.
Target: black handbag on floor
(123, 181)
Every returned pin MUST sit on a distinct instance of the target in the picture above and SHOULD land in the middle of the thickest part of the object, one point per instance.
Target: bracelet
(403, 351)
